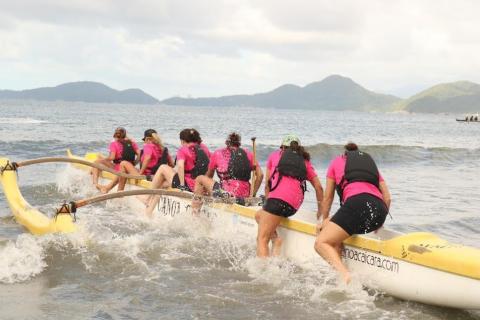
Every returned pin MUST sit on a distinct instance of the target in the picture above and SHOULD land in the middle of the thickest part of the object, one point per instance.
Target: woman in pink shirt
(234, 166)
(288, 169)
(121, 149)
(364, 203)
(191, 161)
(153, 155)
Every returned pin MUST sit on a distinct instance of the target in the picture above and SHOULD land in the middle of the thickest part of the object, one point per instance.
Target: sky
(220, 47)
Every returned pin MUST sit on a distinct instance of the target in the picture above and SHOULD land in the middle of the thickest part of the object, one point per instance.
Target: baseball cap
(148, 134)
(289, 138)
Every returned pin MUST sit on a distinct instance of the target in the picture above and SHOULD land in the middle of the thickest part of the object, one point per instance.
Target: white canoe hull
(398, 278)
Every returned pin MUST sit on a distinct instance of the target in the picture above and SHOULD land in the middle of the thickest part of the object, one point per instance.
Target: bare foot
(104, 189)
(276, 246)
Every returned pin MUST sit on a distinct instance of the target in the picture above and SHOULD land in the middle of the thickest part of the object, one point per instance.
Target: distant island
(332, 93)
(454, 97)
(341, 93)
(84, 91)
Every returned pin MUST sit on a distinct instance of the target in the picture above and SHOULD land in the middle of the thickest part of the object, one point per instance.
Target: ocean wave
(28, 149)
(21, 260)
(20, 121)
(389, 154)
(321, 153)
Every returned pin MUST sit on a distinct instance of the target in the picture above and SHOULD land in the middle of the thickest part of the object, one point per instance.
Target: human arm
(385, 193)
(181, 171)
(317, 185)
(145, 162)
(267, 177)
(326, 203)
(170, 161)
(137, 158)
(111, 156)
(210, 173)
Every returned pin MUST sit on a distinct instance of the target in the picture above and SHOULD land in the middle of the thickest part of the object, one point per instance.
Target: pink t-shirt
(155, 152)
(116, 147)
(187, 154)
(289, 189)
(336, 171)
(219, 161)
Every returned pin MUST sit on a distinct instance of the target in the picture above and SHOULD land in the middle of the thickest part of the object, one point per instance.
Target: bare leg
(126, 167)
(266, 227)
(163, 174)
(328, 244)
(108, 187)
(276, 244)
(203, 186)
(275, 238)
(96, 172)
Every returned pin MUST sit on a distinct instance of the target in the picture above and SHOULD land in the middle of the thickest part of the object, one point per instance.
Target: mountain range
(86, 91)
(455, 97)
(332, 93)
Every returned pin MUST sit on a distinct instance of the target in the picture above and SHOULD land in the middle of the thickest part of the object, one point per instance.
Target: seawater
(121, 265)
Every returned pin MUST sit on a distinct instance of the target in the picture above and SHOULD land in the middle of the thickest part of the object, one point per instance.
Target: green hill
(455, 97)
(332, 93)
(85, 91)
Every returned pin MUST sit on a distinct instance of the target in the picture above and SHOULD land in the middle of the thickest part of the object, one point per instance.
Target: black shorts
(176, 183)
(362, 213)
(279, 208)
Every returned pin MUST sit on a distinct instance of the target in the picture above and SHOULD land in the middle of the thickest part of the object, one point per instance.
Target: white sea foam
(21, 260)
(20, 121)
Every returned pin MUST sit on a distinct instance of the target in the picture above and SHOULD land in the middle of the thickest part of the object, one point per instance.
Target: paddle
(73, 205)
(80, 161)
(254, 167)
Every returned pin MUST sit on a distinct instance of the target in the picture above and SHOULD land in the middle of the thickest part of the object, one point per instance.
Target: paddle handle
(254, 167)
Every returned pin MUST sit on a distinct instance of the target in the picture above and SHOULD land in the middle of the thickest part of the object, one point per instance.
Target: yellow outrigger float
(32, 219)
(417, 266)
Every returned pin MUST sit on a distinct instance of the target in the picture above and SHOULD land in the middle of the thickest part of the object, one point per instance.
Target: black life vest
(201, 162)
(359, 167)
(128, 153)
(291, 164)
(239, 167)
(162, 160)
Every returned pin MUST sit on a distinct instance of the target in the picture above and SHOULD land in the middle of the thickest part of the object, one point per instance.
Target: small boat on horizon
(470, 118)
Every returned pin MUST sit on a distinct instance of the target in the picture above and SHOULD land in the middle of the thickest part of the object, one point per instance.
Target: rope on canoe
(80, 161)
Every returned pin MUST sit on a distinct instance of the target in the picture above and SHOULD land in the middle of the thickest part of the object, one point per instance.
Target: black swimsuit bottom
(360, 214)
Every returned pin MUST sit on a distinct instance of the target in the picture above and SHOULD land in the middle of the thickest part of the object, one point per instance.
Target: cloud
(215, 47)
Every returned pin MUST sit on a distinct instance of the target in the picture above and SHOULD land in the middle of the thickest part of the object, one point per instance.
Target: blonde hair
(155, 138)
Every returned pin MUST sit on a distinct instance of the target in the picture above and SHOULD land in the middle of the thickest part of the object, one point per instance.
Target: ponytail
(233, 140)
(350, 147)
(190, 135)
(294, 146)
(155, 138)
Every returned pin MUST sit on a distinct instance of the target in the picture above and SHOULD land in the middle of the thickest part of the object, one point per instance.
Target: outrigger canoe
(416, 266)
(32, 219)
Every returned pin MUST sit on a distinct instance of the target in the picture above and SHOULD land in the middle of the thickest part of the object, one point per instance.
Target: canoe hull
(398, 278)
